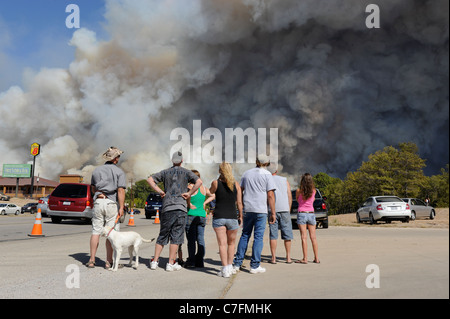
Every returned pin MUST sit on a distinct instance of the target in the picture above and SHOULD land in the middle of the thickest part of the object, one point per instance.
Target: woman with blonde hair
(306, 219)
(225, 219)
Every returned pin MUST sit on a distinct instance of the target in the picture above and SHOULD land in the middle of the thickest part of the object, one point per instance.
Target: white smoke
(336, 90)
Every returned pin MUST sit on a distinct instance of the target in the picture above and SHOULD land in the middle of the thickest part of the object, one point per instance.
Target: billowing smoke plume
(336, 90)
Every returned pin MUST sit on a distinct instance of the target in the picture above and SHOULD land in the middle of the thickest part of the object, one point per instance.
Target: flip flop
(301, 262)
(90, 264)
(272, 262)
(316, 262)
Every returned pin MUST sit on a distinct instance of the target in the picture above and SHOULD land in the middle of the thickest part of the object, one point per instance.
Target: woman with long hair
(306, 219)
(225, 219)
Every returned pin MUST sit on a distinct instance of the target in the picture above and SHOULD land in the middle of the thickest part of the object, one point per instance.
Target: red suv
(70, 201)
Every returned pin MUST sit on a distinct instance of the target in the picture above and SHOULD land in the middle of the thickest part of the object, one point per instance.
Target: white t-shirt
(256, 183)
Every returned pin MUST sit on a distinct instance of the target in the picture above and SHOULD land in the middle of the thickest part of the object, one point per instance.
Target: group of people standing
(265, 197)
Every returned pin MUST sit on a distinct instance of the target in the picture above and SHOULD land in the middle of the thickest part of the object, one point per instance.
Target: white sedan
(385, 208)
(10, 209)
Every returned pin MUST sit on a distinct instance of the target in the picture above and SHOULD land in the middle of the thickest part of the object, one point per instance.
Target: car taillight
(88, 203)
(40, 201)
(379, 207)
(407, 206)
(324, 206)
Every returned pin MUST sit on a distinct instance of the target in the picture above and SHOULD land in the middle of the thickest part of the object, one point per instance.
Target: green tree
(408, 171)
(436, 188)
(390, 171)
(139, 192)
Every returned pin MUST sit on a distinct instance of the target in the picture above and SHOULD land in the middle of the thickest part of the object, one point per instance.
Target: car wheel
(372, 220)
(56, 220)
(413, 215)
(17, 213)
(432, 214)
(3, 212)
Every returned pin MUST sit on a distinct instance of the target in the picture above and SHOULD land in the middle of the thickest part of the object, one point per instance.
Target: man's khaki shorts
(105, 214)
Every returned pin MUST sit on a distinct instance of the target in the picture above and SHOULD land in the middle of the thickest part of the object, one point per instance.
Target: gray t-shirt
(281, 194)
(256, 183)
(107, 179)
(176, 180)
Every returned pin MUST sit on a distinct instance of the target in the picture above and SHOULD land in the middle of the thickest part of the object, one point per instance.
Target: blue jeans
(256, 222)
(195, 234)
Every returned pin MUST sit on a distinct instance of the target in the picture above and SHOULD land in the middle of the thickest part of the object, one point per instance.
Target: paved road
(412, 263)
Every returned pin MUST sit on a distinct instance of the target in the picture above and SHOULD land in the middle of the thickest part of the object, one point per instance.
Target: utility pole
(35, 151)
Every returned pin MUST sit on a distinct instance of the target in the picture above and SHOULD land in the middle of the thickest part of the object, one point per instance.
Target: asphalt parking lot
(409, 263)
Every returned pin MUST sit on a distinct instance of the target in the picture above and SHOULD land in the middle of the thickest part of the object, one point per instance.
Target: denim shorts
(306, 218)
(230, 224)
(283, 223)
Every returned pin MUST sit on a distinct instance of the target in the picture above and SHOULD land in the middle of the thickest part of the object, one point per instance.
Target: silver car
(419, 208)
(384, 208)
(10, 209)
(43, 205)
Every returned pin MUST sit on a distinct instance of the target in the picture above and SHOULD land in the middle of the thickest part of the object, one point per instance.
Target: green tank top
(197, 200)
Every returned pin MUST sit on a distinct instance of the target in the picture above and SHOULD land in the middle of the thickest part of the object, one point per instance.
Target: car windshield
(388, 199)
(70, 191)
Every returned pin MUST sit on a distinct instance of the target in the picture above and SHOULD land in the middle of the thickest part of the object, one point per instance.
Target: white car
(419, 209)
(10, 209)
(384, 208)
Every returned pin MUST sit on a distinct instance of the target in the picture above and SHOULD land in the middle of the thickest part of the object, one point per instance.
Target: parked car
(4, 197)
(419, 208)
(384, 208)
(10, 209)
(152, 204)
(136, 211)
(43, 205)
(29, 208)
(70, 201)
(320, 209)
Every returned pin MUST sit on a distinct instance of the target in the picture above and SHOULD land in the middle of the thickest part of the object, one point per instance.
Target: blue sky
(33, 34)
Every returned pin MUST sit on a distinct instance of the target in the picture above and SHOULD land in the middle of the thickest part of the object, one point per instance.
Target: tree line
(391, 171)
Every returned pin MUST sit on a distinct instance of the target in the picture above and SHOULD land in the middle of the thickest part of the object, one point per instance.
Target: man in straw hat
(109, 184)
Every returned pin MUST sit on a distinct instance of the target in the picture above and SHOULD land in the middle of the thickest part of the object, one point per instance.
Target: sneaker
(235, 269)
(153, 265)
(224, 272)
(173, 267)
(257, 270)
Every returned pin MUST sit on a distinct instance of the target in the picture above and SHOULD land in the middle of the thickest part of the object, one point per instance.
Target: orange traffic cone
(157, 217)
(37, 228)
(131, 221)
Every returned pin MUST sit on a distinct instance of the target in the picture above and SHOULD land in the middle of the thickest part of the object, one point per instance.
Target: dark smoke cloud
(336, 90)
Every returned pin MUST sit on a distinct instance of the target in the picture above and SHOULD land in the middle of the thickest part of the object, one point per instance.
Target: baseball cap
(263, 159)
(177, 157)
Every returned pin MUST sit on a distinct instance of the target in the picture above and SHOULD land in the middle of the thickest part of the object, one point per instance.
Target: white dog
(120, 240)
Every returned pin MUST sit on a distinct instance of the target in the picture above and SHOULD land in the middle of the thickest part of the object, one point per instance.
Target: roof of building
(6, 181)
